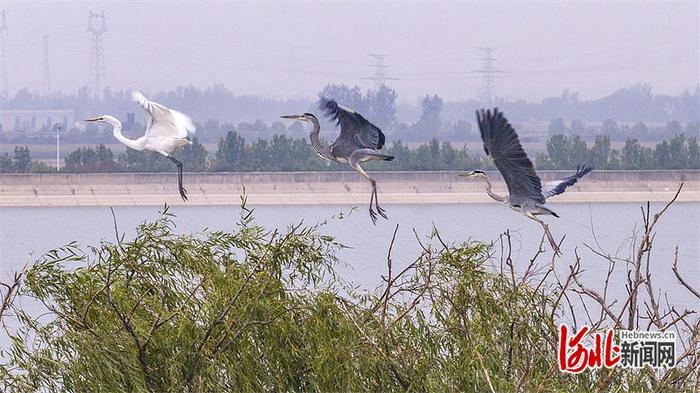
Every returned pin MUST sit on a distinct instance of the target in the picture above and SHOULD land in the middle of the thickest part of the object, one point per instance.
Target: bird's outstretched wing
(354, 129)
(502, 144)
(557, 187)
(162, 121)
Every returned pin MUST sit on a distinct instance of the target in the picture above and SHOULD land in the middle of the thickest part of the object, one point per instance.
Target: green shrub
(258, 310)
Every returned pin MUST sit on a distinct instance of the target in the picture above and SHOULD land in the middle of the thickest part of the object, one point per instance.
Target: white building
(35, 121)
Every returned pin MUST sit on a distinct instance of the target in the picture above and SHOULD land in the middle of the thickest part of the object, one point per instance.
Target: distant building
(35, 121)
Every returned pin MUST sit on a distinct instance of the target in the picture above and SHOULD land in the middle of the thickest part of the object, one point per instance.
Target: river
(26, 233)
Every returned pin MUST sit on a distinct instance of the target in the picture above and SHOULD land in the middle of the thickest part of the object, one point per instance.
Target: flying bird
(166, 130)
(525, 191)
(359, 141)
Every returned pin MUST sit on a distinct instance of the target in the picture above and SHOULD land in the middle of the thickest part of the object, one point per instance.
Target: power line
(96, 27)
(380, 76)
(488, 73)
(46, 83)
(3, 69)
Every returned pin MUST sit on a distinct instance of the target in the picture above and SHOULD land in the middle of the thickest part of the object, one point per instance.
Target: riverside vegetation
(650, 127)
(282, 154)
(263, 310)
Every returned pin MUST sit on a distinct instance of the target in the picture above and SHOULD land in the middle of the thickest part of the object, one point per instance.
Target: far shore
(323, 188)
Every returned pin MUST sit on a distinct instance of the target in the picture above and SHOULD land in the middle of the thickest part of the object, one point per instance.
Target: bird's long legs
(183, 192)
(372, 214)
(376, 202)
(552, 242)
(373, 198)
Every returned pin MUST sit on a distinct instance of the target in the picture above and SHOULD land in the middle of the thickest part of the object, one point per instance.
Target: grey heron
(359, 141)
(525, 191)
(166, 130)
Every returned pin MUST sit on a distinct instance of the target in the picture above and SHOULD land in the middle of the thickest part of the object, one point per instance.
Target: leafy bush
(259, 310)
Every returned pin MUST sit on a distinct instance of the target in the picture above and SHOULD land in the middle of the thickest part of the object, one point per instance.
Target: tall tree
(600, 151)
(567, 152)
(194, 156)
(144, 161)
(231, 154)
(6, 163)
(662, 156)
(23, 159)
(693, 153)
(430, 121)
(678, 152)
(634, 155)
(87, 159)
(382, 105)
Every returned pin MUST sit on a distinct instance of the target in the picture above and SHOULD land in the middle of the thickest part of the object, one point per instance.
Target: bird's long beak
(464, 174)
(92, 119)
(293, 117)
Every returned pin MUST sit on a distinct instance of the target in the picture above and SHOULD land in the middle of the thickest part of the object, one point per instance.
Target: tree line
(279, 154)
(21, 162)
(429, 116)
(621, 131)
(567, 152)
(284, 154)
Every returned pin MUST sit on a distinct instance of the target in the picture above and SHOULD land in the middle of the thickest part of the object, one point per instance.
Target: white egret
(166, 130)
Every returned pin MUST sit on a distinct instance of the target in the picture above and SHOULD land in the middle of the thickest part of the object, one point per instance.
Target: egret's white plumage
(166, 130)
(162, 121)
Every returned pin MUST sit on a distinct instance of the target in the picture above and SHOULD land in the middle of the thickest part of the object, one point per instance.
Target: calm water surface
(26, 233)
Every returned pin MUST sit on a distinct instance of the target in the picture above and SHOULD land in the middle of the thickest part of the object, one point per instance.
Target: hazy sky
(291, 49)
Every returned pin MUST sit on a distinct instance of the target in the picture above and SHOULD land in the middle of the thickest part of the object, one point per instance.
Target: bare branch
(680, 278)
(389, 279)
(116, 230)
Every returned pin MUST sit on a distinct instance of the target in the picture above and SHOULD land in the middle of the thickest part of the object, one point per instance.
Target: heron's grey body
(525, 191)
(359, 141)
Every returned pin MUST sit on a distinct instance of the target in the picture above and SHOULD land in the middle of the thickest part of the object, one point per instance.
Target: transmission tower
(96, 27)
(488, 74)
(46, 85)
(380, 77)
(3, 70)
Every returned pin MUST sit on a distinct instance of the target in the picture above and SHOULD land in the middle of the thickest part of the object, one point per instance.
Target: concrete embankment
(308, 188)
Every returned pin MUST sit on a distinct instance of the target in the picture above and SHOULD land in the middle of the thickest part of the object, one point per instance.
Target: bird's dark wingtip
(382, 140)
(583, 171)
(482, 120)
(330, 108)
(498, 114)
